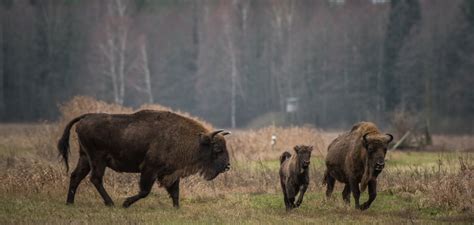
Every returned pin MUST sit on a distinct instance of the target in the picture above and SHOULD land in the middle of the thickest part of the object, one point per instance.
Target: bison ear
(204, 139)
(310, 148)
(390, 138)
(297, 149)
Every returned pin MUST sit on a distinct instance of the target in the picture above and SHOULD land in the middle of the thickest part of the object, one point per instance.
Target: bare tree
(282, 23)
(113, 46)
(231, 49)
(234, 73)
(238, 60)
(2, 100)
(238, 14)
(142, 67)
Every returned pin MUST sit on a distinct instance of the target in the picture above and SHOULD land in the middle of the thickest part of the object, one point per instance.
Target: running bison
(294, 175)
(162, 146)
(357, 157)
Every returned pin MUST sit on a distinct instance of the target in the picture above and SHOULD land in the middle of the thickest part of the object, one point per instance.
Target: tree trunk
(146, 73)
(234, 71)
(427, 109)
(122, 35)
(114, 47)
(2, 88)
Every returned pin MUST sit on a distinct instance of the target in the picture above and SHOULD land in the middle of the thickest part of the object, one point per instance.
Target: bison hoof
(364, 207)
(126, 204)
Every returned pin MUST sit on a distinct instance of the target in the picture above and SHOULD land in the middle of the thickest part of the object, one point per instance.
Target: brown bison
(162, 146)
(294, 175)
(357, 157)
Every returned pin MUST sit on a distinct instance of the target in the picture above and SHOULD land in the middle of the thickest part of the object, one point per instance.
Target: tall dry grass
(464, 143)
(257, 144)
(29, 164)
(448, 185)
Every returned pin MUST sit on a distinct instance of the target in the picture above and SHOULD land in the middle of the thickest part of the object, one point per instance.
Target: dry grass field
(420, 187)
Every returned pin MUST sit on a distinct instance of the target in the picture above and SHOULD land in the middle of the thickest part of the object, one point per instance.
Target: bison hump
(364, 127)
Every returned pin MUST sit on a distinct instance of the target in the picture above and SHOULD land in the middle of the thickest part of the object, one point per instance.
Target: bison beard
(160, 145)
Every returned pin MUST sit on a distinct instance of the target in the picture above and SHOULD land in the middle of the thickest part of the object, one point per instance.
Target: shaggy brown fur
(357, 157)
(294, 175)
(161, 145)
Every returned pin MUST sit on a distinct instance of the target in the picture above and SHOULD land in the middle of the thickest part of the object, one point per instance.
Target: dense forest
(239, 63)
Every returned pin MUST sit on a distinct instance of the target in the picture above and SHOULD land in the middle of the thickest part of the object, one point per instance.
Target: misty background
(244, 63)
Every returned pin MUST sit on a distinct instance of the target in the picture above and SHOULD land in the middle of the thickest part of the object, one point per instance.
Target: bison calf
(294, 175)
(357, 156)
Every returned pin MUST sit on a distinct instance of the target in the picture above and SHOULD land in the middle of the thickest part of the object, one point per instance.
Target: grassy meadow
(416, 187)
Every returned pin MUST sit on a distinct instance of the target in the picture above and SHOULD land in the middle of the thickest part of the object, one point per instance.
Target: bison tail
(284, 156)
(63, 143)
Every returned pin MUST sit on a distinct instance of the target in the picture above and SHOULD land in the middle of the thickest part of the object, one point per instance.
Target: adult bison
(162, 146)
(357, 157)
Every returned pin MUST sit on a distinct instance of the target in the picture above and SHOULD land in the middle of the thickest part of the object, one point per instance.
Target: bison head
(376, 145)
(214, 150)
(303, 153)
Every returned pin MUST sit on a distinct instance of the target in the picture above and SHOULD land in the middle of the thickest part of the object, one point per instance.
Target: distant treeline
(238, 63)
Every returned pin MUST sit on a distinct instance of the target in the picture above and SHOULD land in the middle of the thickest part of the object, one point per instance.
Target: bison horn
(365, 137)
(365, 142)
(226, 133)
(390, 138)
(214, 133)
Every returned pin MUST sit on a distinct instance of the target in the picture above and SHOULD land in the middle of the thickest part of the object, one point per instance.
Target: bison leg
(300, 196)
(98, 169)
(355, 192)
(290, 193)
(372, 194)
(173, 191)
(330, 181)
(147, 178)
(346, 194)
(285, 196)
(81, 171)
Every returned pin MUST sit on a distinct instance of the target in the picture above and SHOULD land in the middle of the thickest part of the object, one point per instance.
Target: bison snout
(306, 163)
(227, 167)
(379, 165)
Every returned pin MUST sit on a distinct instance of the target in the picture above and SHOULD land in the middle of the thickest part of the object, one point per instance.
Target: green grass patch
(273, 165)
(394, 159)
(238, 208)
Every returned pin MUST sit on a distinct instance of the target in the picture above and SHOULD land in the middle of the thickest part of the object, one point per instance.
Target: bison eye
(217, 149)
